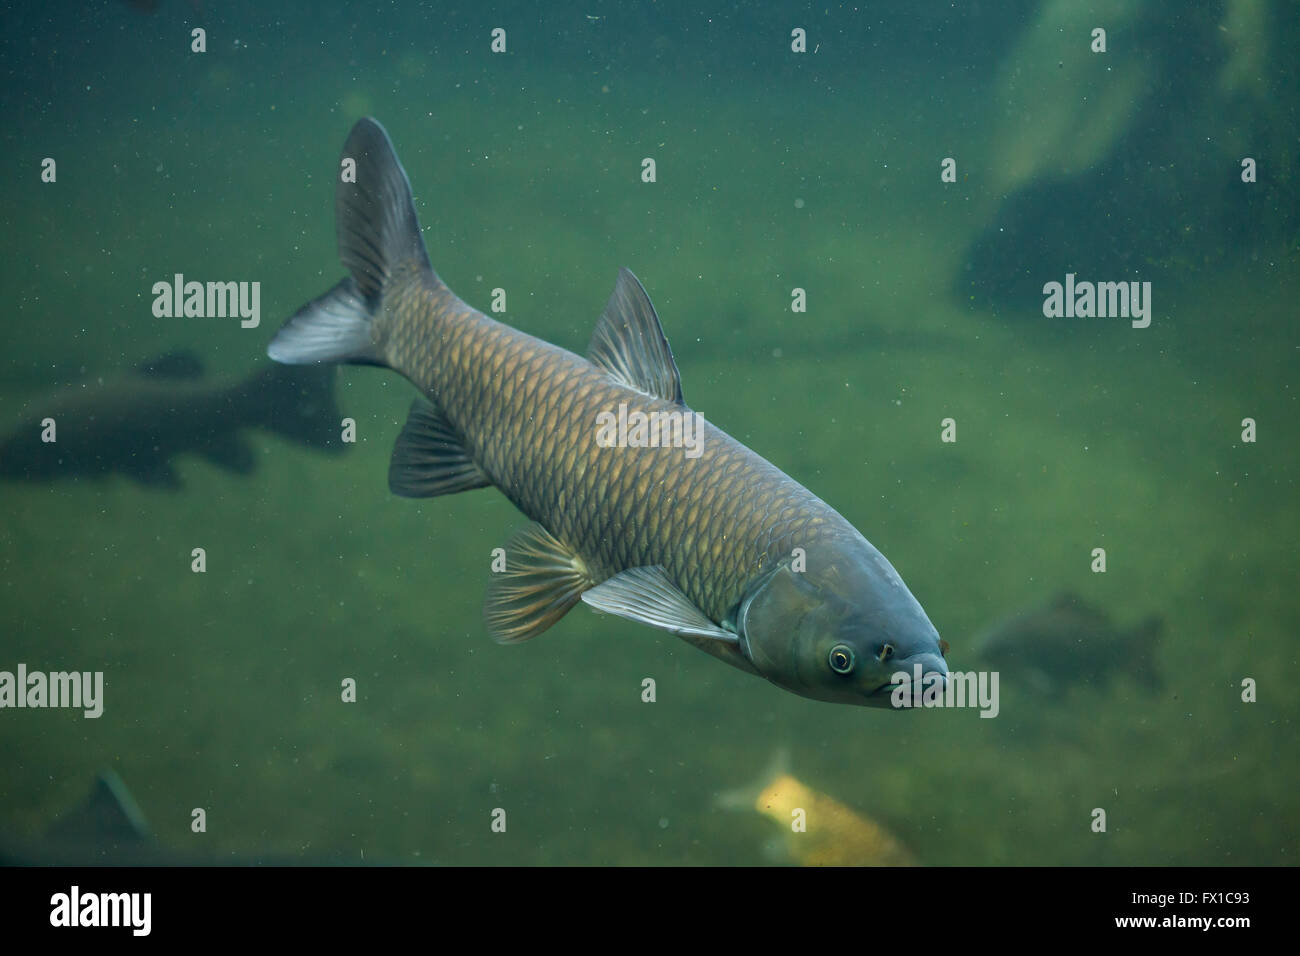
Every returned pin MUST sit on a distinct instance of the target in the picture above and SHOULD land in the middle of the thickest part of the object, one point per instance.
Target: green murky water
(774, 170)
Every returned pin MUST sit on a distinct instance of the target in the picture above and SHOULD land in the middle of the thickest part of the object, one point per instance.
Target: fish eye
(886, 651)
(841, 658)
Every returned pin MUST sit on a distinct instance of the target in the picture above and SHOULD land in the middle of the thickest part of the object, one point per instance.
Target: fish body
(108, 829)
(835, 835)
(137, 424)
(703, 542)
(817, 830)
(1067, 641)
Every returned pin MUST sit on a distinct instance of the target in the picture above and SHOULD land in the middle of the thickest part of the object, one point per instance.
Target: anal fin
(429, 458)
(542, 579)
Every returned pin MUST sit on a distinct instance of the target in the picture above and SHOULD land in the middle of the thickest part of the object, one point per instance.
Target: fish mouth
(883, 697)
(931, 665)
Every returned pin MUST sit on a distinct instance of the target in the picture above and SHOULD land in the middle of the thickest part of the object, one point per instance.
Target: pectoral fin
(649, 596)
(542, 579)
(429, 458)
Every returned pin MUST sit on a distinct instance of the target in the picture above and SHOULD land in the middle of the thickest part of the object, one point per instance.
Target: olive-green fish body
(693, 532)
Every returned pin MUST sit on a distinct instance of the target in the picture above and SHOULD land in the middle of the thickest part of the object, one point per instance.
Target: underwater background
(774, 170)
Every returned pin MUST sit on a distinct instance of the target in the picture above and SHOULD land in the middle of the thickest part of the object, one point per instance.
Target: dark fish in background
(108, 829)
(105, 828)
(697, 544)
(1069, 642)
(135, 424)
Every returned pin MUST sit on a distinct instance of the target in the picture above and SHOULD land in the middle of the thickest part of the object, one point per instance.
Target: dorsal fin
(108, 813)
(630, 345)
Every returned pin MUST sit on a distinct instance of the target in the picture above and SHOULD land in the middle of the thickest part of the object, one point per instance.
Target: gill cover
(776, 621)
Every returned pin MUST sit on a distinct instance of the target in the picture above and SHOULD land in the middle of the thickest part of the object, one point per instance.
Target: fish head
(839, 629)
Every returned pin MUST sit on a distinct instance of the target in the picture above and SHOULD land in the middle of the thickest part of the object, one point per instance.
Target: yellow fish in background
(818, 829)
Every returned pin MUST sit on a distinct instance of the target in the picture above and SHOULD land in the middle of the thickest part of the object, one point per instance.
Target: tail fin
(379, 240)
(297, 403)
(1143, 641)
(746, 797)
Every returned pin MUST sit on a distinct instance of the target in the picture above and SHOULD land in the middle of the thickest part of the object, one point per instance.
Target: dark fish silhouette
(108, 829)
(135, 424)
(1068, 642)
